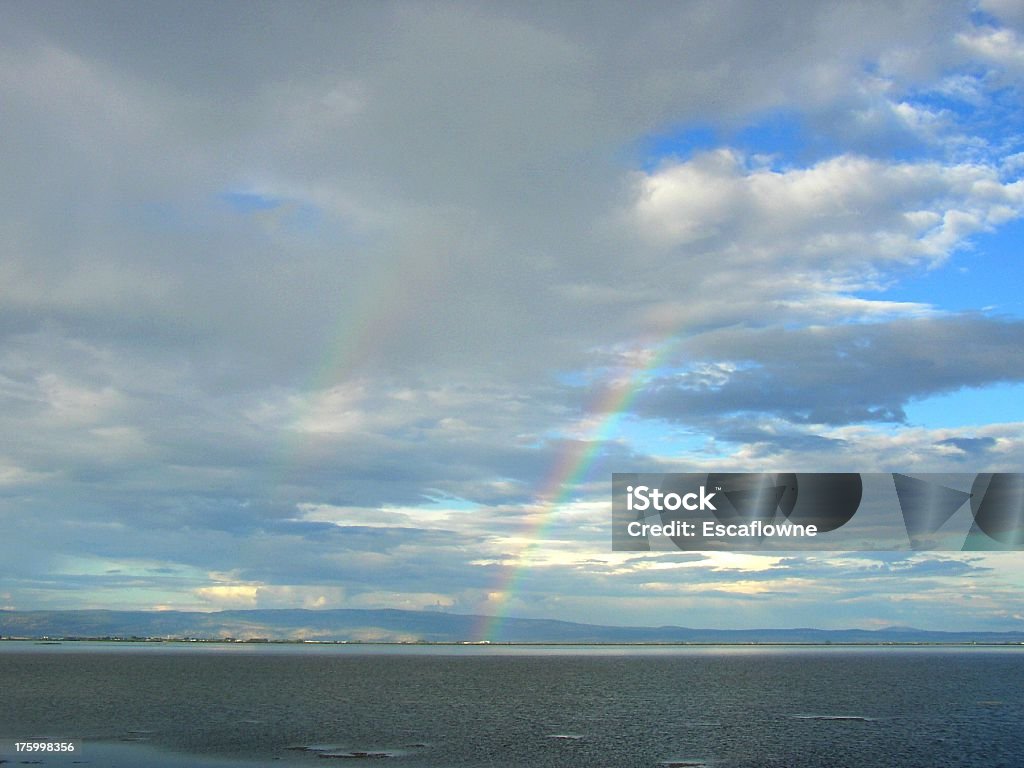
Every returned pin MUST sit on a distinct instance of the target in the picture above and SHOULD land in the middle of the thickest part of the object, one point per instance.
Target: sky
(360, 304)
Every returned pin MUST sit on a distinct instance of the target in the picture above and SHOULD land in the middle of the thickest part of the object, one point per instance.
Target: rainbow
(378, 313)
(368, 322)
(570, 468)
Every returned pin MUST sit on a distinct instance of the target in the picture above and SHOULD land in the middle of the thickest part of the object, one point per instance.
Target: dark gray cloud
(971, 446)
(845, 374)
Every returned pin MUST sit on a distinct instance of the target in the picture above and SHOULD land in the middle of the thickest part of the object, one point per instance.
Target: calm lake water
(223, 705)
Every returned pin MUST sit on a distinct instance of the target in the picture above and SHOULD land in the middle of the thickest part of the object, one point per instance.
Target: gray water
(179, 705)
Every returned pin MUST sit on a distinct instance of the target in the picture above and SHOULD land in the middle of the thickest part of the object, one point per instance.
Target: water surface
(427, 706)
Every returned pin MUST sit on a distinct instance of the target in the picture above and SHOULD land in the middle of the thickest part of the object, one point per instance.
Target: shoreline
(46, 640)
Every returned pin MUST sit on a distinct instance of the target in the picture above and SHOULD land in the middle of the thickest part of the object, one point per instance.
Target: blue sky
(361, 305)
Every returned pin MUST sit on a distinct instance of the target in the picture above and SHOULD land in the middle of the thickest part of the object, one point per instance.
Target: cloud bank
(360, 305)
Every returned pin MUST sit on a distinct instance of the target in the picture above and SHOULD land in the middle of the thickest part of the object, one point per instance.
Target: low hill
(355, 625)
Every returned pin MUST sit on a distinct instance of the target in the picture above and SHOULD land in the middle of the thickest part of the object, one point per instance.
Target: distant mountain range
(425, 626)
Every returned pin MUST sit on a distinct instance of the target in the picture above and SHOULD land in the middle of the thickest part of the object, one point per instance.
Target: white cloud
(1001, 47)
(841, 214)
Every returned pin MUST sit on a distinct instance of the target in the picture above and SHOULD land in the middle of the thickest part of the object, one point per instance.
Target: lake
(172, 704)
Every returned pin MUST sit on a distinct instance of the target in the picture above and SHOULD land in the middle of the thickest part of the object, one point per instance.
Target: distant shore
(48, 640)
